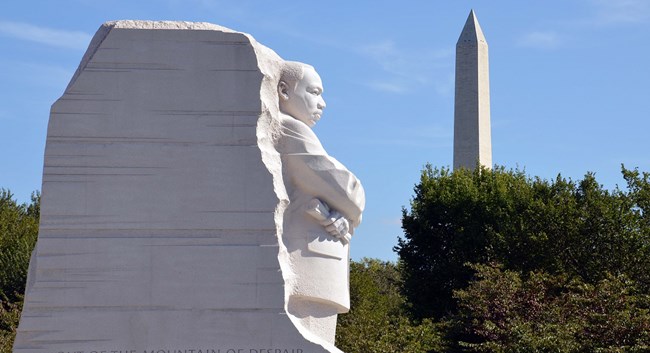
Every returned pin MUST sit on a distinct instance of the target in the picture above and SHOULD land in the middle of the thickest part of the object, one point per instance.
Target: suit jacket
(319, 262)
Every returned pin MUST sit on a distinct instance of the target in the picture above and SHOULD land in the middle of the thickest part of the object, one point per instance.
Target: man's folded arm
(325, 178)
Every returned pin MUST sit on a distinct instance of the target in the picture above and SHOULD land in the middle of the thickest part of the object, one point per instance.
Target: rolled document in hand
(321, 212)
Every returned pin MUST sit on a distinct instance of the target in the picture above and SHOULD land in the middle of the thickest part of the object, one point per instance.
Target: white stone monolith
(163, 200)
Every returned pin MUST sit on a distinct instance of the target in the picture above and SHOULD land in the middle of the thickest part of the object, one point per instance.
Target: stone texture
(318, 247)
(162, 200)
(472, 136)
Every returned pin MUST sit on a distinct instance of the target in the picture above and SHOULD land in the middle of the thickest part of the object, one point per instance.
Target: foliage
(378, 322)
(9, 316)
(18, 232)
(503, 312)
(526, 224)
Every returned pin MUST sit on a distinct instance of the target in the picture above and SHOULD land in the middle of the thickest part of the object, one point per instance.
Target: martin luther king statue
(325, 205)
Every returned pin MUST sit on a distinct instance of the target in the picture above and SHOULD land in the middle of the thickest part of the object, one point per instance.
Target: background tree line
(490, 261)
(18, 232)
(496, 261)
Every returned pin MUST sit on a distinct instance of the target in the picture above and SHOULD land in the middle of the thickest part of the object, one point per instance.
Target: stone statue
(163, 199)
(325, 205)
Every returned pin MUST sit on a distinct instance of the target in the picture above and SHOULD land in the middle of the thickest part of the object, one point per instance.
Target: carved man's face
(304, 101)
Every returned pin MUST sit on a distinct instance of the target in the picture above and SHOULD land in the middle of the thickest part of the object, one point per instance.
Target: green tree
(505, 312)
(18, 233)
(9, 316)
(526, 224)
(378, 321)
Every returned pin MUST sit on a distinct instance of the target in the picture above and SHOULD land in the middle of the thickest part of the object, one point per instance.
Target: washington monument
(472, 138)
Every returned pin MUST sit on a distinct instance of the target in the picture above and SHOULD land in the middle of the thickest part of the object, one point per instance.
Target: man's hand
(336, 225)
(333, 222)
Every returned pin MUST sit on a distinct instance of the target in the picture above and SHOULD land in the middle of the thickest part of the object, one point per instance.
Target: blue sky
(569, 83)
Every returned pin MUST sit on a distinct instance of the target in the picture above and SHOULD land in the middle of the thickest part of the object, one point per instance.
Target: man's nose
(321, 104)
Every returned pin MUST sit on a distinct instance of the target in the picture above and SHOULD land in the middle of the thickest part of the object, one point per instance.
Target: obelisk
(472, 138)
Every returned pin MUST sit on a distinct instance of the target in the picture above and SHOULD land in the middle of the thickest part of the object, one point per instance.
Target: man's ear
(283, 90)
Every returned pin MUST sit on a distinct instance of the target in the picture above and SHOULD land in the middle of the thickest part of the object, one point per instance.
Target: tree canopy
(525, 224)
(503, 311)
(518, 264)
(18, 232)
(378, 321)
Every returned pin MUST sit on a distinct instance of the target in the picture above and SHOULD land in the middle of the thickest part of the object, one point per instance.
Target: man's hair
(293, 71)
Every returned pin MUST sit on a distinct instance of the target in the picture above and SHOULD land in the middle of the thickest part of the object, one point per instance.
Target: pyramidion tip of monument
(472, 32)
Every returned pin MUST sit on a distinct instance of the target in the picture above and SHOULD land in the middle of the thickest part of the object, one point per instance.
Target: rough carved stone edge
(268, 130)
